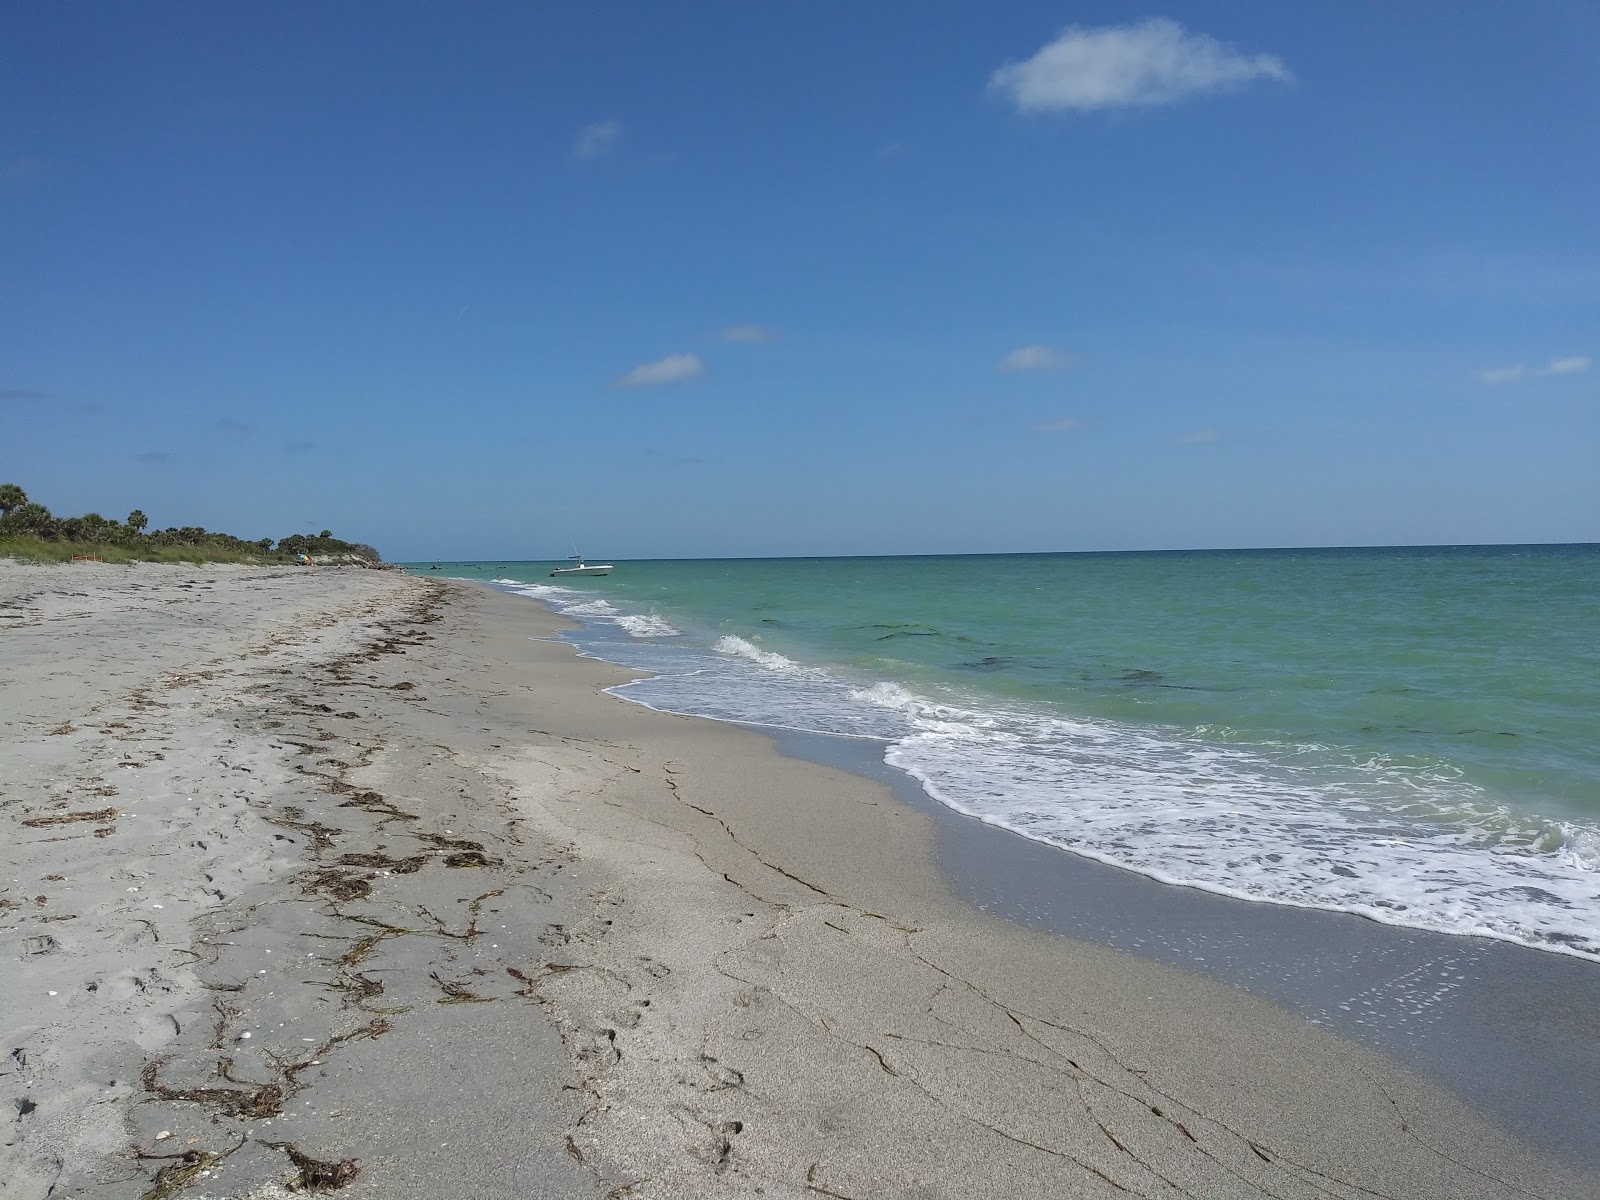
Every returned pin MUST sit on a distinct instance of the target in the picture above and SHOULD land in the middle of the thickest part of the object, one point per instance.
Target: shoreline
(1427, 814)
(667, 960)
(1444, 1004)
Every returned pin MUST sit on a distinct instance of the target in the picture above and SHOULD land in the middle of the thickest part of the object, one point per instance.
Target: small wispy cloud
(1503, 374)
(154, 456)
(229, 425)
(298, 447)
(597, 139)
(1035, 358)
(1062, 425)
(22, 396)
(16, 171)
(1196, 437)
(664, 370)
(1118, 66)
(749, 334)
(1575, 364)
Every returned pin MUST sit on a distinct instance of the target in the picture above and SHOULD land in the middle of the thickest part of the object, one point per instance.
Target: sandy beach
(338, 880)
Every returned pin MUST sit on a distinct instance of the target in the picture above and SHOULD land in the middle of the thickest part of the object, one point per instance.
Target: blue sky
(706, 279)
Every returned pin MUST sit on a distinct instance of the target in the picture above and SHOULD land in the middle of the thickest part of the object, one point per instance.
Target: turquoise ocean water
(1410, 734)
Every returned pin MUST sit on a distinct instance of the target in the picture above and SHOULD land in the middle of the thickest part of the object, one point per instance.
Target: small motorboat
(583, 568)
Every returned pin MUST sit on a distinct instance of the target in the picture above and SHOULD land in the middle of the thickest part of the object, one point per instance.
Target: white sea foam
(888, 695)
(647, 625)
(773, 662)
(547, 592)
(572, 602)
(590, 608)
(1407, 847)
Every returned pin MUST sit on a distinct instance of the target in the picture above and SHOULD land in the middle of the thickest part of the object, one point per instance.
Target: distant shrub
(29, 531)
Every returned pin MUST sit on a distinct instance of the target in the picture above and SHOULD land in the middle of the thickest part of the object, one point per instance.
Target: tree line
(23, 520)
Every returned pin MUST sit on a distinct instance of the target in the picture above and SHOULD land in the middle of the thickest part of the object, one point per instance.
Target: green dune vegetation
(31, 532)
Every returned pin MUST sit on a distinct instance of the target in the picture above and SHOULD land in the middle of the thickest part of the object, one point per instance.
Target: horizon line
(1047, 553)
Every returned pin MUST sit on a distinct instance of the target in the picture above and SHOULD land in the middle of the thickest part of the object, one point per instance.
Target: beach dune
(342, 881)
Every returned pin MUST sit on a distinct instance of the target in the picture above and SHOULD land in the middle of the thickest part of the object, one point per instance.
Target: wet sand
(355, 882)
(1513, 1031)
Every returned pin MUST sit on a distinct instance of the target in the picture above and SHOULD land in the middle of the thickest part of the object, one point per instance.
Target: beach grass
(48, 550)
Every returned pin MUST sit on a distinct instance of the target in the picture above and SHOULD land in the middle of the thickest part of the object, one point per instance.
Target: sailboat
(582, 568)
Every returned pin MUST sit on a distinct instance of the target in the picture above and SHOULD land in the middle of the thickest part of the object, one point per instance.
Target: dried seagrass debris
(356, 986)
(99, 814)
(444, 843)
(251, 1102)
(335, 884)
(374, 802)
(470, 858)
(457, 993)
(321, 835)
(382, 862)
(183, 1169)
(314, 1176)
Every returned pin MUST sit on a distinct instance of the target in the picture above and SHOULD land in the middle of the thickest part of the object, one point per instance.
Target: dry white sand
(344, 879)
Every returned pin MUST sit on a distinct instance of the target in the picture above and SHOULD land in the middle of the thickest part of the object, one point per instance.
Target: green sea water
(1408, 733)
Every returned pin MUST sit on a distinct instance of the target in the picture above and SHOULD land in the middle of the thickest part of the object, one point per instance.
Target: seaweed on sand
(457, 993)
(99, 814)
(397, 866)
(335, 884)
(314, 1176)
(184, 1169)
(252, 1101)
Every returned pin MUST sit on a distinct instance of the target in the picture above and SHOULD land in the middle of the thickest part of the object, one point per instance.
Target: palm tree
(11, 497)
(137, 521)
(32, 518)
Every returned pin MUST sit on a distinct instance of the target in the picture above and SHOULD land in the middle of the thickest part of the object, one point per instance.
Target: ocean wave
(572, 602)
(1407, 847)
(777, 663)
(647, 625)
(591, 608)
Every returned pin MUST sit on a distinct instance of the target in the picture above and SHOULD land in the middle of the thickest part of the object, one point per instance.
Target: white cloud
(597, 139)
(1198, 437)
(1113, 66)
(664, 370)
(1035, 358)
(749, 333)
(1575, 364)
(1503, 374)
(1064, 425)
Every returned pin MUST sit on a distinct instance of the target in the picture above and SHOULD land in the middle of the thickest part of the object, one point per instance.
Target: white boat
(583, 568)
